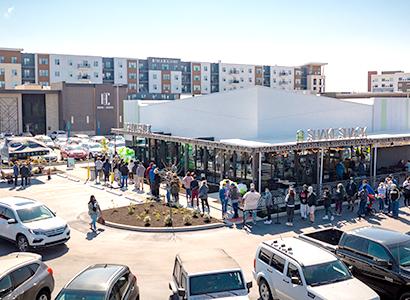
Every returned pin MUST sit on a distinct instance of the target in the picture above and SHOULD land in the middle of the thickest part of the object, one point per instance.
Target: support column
(321, 170)
(255, 160)
(374, 164)
(205, 162)
(186, 158)
(260, 173)
(234, 163)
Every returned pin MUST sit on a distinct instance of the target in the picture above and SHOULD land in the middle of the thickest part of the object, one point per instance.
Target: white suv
(293, 269)
(31, 224)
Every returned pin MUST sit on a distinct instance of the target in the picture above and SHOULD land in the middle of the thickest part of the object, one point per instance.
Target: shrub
(168, 221)
(138, 218)
(147, 221)
(131, 209)
(187, 220)
(207, 218)
(195, 214)
(146, 209)
(157, 216)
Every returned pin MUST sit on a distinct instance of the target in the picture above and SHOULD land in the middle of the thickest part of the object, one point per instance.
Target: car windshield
(94, 146)
(216, 283)
(80, 295)
(401, 253)
(75, 147)
(326, 273)
(35, 213)
(47, 139)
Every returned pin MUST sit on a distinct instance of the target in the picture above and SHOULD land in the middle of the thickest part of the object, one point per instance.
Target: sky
(352, 36)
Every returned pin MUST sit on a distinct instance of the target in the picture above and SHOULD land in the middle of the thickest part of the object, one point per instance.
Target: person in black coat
(124, 174)
(156, 184)
(312, 202)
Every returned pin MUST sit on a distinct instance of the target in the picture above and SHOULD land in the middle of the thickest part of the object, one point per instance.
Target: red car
(74, 151)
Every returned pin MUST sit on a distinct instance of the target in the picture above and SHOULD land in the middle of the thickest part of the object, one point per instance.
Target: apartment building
(10, 67)
(155, 78)
(388, 81)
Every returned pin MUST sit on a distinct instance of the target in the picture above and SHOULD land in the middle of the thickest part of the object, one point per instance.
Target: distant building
(388, 81)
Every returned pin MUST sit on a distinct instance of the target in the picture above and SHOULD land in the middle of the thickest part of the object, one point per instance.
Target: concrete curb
(97, 187)
(165, 229)
(73, 179)
(114, 192)
(62, 175)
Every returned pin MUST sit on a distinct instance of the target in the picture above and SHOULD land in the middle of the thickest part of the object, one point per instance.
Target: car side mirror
(384, 263)
(5, 291)
(248, 285)
(11, 221)
(295, 280)
(181, 292)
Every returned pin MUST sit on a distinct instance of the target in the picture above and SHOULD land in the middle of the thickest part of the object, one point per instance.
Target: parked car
(92, 149)
(213, 274)
(46, 140)
(74, 151)
(290, 268)
(83, 137)
(117, 138)
(51, 156)
(31, 224)
(379, 257)
(98, 138)
(100, 282)
(115, 145)
(23, 276)
(75, 140)
(60, 141)
(57, 133)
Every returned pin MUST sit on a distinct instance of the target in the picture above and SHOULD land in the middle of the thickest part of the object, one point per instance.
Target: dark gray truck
(379, 257)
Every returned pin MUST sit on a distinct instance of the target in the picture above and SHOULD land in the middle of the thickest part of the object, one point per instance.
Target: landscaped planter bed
(154, 214)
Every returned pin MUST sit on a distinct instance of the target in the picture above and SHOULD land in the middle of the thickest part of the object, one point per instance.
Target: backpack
(234, 194)
(363, 195)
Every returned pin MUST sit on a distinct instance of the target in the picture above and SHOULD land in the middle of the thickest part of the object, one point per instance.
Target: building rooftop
(11, 49)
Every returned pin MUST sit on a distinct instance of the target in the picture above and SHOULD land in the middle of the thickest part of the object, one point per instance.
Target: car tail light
(254, 264)
(50, 271)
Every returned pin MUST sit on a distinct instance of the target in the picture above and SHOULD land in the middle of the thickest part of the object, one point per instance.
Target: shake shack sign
(104, 102)
(330, 134)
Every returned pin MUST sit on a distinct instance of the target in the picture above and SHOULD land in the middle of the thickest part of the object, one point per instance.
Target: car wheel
(405, 296)
(264, 290)
(43, 295)
(22, 243)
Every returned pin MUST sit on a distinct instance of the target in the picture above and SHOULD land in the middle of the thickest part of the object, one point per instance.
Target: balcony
(233, 71)
(83, 66)
(83, 77)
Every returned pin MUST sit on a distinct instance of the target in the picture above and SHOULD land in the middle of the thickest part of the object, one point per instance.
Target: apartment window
(197, 78)
(132, 75)
(205, 68)
(1, 59)
(70, 62)
(258, 71)
(96, 74)
(224, 79)
(2, 84)
(166, 87)
(57, 62)
(57, 73)
(155, 87)
(132, 86)
(43, 83)
(176, 77)
(197, 68)
(108, 75)
(1, 71)
(154, 76)
(223, 69)
(26, 73)
(197, 87)
(26, 61)
(43, 73)
(108, 64)
(250, 71)
(71, 74)
(43, 61)
(320, 81)
(250, 80)
(205, 78)
(165, 67)
(166, 76)
(132, 65)
(141, 66)
(13, 60)
(314, 81)
(95, 63)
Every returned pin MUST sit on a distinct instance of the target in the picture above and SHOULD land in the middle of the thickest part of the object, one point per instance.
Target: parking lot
(150, 256)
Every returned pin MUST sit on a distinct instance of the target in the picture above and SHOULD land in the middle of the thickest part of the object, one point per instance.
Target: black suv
(380, 258)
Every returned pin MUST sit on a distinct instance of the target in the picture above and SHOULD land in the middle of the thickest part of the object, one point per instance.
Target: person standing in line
(388, 183)
(24, 172)
(351, 190)
(106, 170)
(151, 177)
(98, 165)
(268, 200)
(290, 206)
(381, 195)
(124, 174)
(363, 195)
(175, 187)
(340, 196)
(312, 202)
(16, 172)
(251, 201)
(203, 195)
(147, 172)
(327, 203)
(194, 187)
(303, 202)
(186, 181)
(223, 199)
(406, 191)
(139, 174)
(234, 196)
(131, 171)
(157, 182)
(94, 211)
(30, 171)
(395, 197)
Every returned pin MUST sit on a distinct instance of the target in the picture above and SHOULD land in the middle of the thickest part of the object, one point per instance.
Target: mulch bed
(134, 215)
